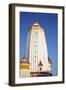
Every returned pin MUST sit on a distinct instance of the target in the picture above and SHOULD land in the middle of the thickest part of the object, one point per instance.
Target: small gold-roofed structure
(24, 67)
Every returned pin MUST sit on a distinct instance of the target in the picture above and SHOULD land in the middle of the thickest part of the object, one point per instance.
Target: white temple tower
(36, 49)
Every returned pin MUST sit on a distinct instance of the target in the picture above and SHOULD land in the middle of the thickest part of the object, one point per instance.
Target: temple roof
(24, 60)
(35, 25)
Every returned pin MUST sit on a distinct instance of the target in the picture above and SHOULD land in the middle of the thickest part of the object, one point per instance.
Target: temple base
(39, 74)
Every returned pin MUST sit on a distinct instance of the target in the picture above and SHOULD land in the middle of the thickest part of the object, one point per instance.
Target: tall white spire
(36, 49)
(35, 61)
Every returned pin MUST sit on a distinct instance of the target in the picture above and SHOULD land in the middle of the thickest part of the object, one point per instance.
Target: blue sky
(49, 22)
